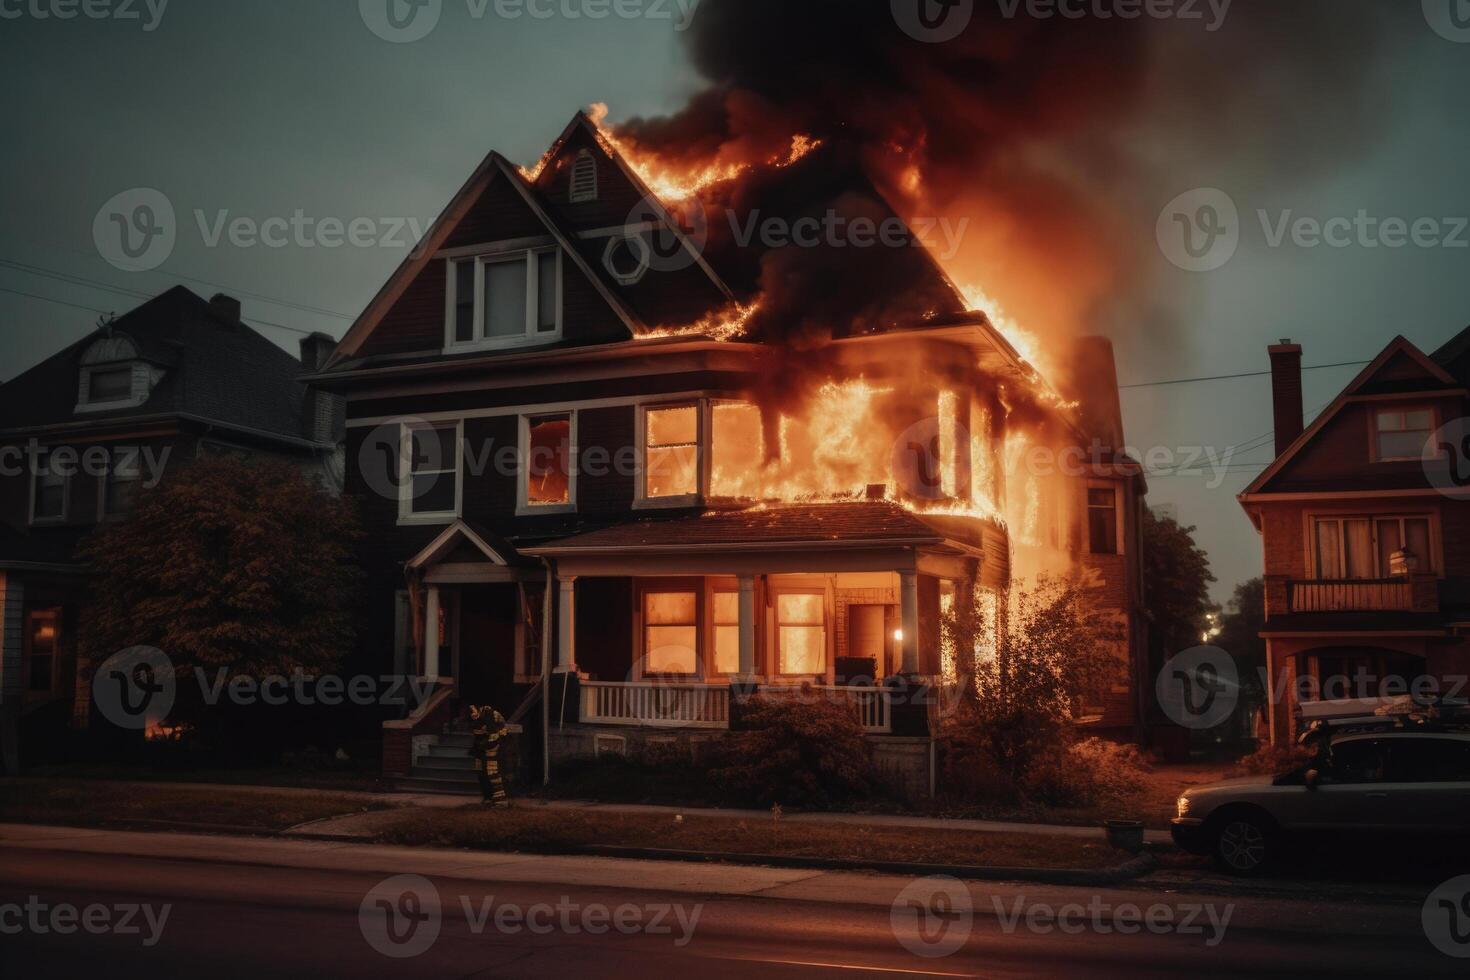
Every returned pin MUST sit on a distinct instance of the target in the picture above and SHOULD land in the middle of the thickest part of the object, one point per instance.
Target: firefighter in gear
(489, 729)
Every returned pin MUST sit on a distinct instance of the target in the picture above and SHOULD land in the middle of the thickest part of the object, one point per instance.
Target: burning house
(633, 437)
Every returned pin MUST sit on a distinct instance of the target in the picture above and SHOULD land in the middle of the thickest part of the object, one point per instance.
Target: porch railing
(874, 705)
(655, 705)
(1350, 595)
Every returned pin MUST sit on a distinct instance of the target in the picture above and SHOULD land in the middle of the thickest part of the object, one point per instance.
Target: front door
(486, 645)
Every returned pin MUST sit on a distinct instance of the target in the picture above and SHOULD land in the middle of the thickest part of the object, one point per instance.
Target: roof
(214, 369)
(848, 524)
(1454, 357)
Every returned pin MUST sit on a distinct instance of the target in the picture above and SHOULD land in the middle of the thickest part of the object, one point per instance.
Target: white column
(431, 634)
(566, 624)
(909, 608)
(747, 626)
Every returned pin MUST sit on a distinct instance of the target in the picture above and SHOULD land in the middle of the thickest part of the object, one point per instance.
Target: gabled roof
(1398, 347)
(495, 550)
(1454, 356)
(214, 369)
(493, 167)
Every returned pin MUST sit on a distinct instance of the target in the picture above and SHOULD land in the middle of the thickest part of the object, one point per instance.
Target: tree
(228, 563)
(1176, 585)
(1033, 660)
(1240, 632)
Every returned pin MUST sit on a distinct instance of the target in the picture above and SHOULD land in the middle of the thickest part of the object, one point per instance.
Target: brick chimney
(324, 411)
(227, 307)
(1286, 392)
(315, 349)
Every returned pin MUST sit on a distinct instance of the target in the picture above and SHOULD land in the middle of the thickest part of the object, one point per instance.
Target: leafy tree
(228, 563)
(1032, 661)
(1176, 584)
(1240, 629)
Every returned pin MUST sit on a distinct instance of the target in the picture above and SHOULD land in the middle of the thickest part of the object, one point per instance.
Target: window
(1363, 547)
(1403, 434)
(42, 634)
(737, 450)
(120, 485)
(1364, 761)
(430, 489)
(1429, 760)
(727, 632)
(1102, 520)
(670, 632)
(547, 454)
(671, 452)
(801, 632)
(49, 490)
(584, 178)
(503, 300)
(114, 384)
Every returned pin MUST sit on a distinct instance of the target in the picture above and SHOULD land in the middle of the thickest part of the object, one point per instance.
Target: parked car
(1379, 784)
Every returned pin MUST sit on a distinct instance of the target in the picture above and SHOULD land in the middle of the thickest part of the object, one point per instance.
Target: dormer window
(113, 376)
(584, 178)
(505, 299)
(109, 385)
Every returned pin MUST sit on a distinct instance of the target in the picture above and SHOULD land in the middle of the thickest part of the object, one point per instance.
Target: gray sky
(263, 108)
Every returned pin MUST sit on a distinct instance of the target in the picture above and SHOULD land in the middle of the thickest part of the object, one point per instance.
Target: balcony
(1361, 595)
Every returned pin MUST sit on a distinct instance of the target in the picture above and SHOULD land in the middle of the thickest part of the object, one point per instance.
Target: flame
(724, 324)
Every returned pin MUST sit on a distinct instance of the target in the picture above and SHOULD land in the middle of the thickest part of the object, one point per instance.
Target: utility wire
(1243, 374)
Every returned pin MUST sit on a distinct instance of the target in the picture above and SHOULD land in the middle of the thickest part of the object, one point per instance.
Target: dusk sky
(264, 108)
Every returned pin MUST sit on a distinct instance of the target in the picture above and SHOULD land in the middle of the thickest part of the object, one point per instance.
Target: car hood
(1239, 782)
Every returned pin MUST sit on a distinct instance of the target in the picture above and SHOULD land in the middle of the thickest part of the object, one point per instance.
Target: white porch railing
(656, 705)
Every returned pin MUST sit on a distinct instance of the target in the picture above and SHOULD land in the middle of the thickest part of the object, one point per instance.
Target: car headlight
(1181, 806)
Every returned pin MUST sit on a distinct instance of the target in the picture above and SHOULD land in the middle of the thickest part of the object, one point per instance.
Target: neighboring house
(84, 430)
(564, 490)
(1365, 536)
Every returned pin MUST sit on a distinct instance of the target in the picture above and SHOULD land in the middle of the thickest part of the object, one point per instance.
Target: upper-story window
(505, 299)
(1102, 520)
(429, 491)
(548, 482)
(671, 452)
(112, 376)
(1362, 547)
(119, 485)
(50, 489)
(584, 178)
(1402, 434)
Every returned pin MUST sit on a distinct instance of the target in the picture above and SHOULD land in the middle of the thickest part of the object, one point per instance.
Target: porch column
(909, 608)
(566, 624)
(747, 626)
(431, 634)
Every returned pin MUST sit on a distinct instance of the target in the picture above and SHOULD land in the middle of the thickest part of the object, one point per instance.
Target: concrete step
(449, 787)
(457, 776)
(449, 763)
(439, 751)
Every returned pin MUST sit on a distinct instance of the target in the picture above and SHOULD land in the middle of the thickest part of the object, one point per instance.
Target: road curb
(1129, 870)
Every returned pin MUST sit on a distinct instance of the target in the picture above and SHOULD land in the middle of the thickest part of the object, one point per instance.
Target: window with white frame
(671, 632)
(1362, 547)
(671, 451)
(430, 487)
(109, 384)
(548, 462)
(1403, 434)
(801, 632)
(505, 299)
(120, 484)
(50, 489)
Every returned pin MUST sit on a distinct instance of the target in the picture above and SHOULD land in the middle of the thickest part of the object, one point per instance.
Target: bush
(804, 752)
(1092, 772)
(1271, 760)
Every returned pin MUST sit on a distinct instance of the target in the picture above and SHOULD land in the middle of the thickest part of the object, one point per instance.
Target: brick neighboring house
(619, 561)
(173, 379)
(1365, 541)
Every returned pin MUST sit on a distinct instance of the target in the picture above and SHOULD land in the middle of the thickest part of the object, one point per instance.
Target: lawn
(93, 803)
(529, 828)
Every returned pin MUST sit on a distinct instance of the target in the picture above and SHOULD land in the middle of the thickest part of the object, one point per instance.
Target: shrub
(801, 751)
(1271, 760)
(1091, 772)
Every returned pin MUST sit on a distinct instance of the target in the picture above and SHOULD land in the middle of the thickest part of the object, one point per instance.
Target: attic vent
(584, 177)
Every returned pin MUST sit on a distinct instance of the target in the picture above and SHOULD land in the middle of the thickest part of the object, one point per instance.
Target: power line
(48, 299)
(1244, 374)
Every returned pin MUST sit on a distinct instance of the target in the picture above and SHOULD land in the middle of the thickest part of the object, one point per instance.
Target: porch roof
(799, 526)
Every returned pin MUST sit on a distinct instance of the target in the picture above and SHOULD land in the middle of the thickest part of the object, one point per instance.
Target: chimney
(228, 307)
(315, 349)
(1093, 382)
(1286, 392)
